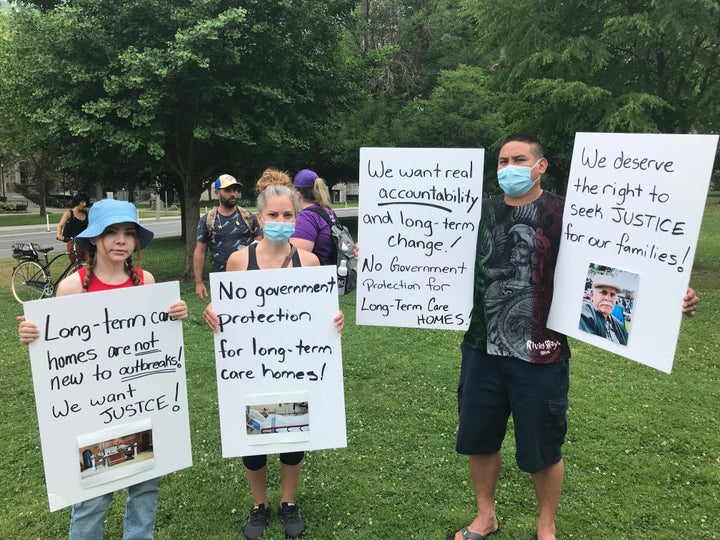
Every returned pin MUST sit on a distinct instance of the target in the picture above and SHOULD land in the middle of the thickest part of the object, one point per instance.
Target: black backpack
(344, 247)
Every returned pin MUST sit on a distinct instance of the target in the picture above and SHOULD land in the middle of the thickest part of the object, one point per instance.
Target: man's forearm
(198, 265)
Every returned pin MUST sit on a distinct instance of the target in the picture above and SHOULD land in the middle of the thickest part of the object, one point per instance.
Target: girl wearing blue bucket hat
(112, 237)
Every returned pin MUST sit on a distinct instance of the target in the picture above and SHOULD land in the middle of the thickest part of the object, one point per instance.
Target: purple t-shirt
(309, 226)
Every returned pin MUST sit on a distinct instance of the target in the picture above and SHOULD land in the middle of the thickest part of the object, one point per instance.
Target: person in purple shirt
(312, 233)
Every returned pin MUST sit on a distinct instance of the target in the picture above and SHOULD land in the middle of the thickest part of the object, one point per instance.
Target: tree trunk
(190, 218)
(43, 181)
(42, 192)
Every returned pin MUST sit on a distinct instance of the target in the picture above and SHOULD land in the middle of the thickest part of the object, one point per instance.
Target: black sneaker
(290, 516)
(257, 522)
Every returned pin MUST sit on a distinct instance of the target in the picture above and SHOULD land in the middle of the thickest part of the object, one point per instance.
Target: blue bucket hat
(111, 212)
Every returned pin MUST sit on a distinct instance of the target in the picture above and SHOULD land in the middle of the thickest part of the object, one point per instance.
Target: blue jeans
(88, 517)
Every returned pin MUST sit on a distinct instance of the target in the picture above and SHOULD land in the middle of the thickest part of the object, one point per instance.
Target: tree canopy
(608, 65)
(192, 87)
(182, 90)
(549, 67)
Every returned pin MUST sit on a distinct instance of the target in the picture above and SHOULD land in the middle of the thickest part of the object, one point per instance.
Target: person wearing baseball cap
(224, 229)
(312, 232)
(225, 181)
(596, 316)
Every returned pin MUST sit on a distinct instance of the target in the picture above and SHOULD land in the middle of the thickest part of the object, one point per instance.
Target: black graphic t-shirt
(514, 270)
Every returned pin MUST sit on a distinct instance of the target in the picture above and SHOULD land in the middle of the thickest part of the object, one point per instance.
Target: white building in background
(9, 178)
(343, 192)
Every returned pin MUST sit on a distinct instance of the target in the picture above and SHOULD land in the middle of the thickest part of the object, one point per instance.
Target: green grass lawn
(642, 452)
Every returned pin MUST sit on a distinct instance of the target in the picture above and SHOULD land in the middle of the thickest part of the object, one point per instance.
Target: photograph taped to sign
(278, 418)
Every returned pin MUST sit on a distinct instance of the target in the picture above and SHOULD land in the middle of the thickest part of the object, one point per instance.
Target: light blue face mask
(278, 232)
(516, 180)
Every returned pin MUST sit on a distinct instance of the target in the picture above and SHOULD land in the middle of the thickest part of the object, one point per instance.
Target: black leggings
(255, 463)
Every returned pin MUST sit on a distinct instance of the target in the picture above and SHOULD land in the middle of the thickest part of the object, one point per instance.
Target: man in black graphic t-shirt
(511, 362)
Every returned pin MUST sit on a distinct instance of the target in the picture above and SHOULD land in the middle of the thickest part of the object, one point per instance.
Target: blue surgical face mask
(516, 180)
(278, 232)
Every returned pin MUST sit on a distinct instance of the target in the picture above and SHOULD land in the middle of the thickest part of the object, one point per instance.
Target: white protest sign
(417, 229)
(632, 217)
(109, 377)
(278, 361)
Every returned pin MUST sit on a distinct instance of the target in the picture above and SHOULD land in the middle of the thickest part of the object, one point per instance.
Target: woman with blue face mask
(277, 209)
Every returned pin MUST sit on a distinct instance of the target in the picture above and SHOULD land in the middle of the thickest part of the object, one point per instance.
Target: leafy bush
(58, 201)
(12, 207)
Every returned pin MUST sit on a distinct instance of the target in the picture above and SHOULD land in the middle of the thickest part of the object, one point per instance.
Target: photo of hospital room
(117, 457)
(277, 418)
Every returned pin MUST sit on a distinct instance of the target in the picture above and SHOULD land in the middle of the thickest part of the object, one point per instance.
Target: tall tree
(462, 111)
(405, 46)
(602, 65)
(25, 132)
(201, 86)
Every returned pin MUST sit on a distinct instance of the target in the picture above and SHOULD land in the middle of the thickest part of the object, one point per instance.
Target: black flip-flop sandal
(467, 534)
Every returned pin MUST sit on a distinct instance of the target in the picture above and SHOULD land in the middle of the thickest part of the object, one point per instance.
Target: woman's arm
(303, 244)
(339, 321)
(63, 220)
(70, 285)
(306, 231)
(307, 258)
(178, 310)
(237, 260)
(211, 318)
(148, 278)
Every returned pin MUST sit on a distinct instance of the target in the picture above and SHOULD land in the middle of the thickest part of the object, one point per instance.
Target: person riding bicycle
(72, 223)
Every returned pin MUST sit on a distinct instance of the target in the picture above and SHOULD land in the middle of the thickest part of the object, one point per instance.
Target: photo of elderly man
(603, 312)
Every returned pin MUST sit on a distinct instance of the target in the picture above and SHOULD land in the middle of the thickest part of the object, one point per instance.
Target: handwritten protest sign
(109, 377)
(417, 228)
(632, 217)
(278, 361)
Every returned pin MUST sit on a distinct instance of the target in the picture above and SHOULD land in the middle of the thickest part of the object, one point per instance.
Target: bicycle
(31, 278)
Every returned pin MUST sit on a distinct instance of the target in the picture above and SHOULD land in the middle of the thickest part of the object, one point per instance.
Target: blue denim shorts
(491, 388)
